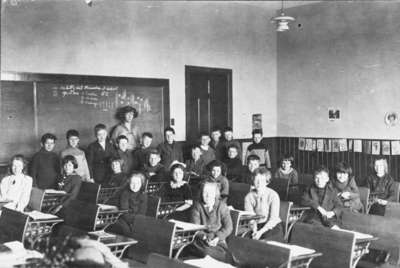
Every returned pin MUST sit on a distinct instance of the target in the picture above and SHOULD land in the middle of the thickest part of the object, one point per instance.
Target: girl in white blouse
(16, 188)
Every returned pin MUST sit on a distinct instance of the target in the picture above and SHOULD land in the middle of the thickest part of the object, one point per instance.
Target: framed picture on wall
(391, 118)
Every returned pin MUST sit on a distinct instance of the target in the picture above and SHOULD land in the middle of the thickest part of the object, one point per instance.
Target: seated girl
(264, 201)
(233, 164)
(345, 184)
(286, 170)
(215, 215)
(16, 188)
(381, 186)
(119, 179)
(217, 169)
(177, 190)
(70, 182)
(134, 201)
(322, 198)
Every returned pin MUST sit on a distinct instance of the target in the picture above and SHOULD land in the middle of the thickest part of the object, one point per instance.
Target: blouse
(16, 188)
(266, 203)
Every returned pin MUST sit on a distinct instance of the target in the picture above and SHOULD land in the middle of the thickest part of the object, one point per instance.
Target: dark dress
(234, 168)
(169, 194)
(246, 176)
(156, 173)
(382, 188)
(136, 204)
(45, 169)
(71, 184)
(326, 198)
(99, 161)
(226, 144)
(127, 158)
(141, 157)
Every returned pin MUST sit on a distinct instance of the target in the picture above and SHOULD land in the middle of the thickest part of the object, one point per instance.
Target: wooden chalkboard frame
(95, 79)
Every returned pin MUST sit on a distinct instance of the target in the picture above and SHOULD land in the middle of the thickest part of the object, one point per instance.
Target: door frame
(190, 69)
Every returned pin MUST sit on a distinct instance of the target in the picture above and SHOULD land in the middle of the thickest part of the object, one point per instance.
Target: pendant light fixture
(282, 21)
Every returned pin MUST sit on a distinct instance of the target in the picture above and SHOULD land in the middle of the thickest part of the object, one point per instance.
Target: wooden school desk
(117, 243)
(184, 235)
(261, 254)
(45, 200)
(167, 208)
(154, 187)
(242, 221)
(39, 225)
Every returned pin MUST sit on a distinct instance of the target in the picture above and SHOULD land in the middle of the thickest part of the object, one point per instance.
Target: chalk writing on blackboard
(101, 97)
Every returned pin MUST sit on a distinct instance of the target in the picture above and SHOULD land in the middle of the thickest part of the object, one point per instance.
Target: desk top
(299, 208)
(111, 239)
(186, 226)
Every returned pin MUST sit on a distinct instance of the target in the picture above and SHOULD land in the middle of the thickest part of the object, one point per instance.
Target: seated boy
(141, 155)
(233, 164)
(217, 171)
(323, 199)
(45, 167)
(264, 201)
(253, 162)
(228, 140)
(207, 153)
(124, 154)
(215, 215)
(153, 169)
(196, 165)
(260, 149)
(170, 151)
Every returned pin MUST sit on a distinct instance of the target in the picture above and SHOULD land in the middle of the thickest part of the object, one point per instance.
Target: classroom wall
(342, 55)
(154, 40)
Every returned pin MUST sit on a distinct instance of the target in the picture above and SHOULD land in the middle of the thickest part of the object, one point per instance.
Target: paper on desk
(186, 225)
(357, 235)
(294, 249)
(242, 212)
(52, 191)
(18, 254)
(37, 215)
(107, 207)
(102, 234)
(208, 262)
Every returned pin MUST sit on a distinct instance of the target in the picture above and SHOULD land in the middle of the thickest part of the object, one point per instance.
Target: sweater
(218, 221)
(383, 187)
(292, 176)
(45, 169)
(354, 202)
(261, 150)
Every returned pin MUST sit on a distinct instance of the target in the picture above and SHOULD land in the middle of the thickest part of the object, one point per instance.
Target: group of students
(215, 161)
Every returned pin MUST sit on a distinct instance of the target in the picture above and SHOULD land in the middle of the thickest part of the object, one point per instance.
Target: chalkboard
(44, 103)
(82, 106)
(16, 119)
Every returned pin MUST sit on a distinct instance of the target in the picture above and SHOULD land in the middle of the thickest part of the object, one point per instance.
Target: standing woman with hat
(125, 115)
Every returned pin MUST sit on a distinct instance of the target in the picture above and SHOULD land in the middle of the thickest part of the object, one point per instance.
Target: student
(382, 187)
(196, 165)
(134, 201)
(70, 182)
(99, 154)
(170, 151)
(260, 149)
(233, 164)
(45, 166)
(322, 198)
(264, 201)
(124, 154)
(73, 149)
(286, 171)
(217, 144)
(119, 178)
(217, 169)
(125, 115)
(215, 215)
(177, 189)
(253, 162)
(16, 187)
(207, 153)
(228, 140)
(345, 184)
(153, 169)
(141, 155)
